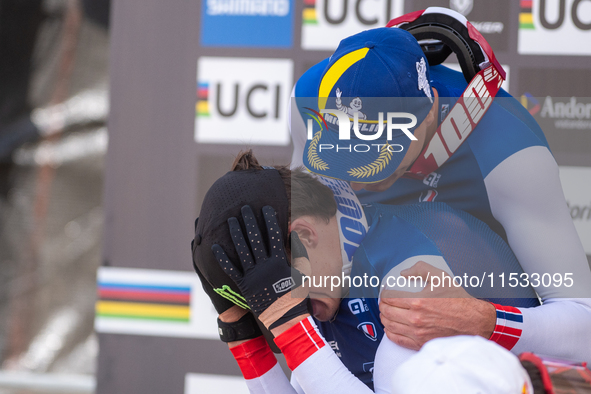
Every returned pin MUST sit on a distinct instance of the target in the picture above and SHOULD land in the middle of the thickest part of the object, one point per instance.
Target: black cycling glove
(264, 275)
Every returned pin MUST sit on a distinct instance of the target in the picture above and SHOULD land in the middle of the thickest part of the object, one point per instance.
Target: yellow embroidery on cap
(316, 162)
(334, 73)
(374, 167)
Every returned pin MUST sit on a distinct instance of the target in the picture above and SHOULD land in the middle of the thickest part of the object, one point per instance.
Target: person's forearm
(316, 367)
(559, 328)
(256, 361)
(260, 368)
(541, 233)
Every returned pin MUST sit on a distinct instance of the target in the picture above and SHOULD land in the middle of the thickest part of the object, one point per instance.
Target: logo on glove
(283, 285)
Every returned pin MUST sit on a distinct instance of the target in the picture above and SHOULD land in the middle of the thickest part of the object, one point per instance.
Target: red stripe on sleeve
(506, 341)
(512, 331)
(254, 357)
(507, 308)
(299, 342)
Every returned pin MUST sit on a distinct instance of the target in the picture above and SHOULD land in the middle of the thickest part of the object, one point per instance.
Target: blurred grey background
(54, 57)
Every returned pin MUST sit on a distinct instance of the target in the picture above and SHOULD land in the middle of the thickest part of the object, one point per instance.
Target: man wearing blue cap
(495, 166)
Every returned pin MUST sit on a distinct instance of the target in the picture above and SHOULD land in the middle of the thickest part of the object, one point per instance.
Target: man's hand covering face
(264, 275)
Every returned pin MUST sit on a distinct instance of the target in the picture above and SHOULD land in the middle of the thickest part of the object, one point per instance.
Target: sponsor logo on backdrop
(326, 22)
(247, 7)
(530, 103)
(486, 16)
(247, 23)
(576, 183)
(569, 113)
(489, 27)
(242, 100)
(462, 6)
(554, 27)
(580, 212)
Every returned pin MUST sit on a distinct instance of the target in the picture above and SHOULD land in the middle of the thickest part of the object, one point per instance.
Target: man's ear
(432, 115)
(306, 231)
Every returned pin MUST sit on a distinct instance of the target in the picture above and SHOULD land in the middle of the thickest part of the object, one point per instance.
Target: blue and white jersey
(435, 233)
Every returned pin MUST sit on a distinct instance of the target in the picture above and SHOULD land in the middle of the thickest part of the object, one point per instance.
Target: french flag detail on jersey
(254, 358)
(369, 330)
(428, 196)
(508, 328)
(300, 342)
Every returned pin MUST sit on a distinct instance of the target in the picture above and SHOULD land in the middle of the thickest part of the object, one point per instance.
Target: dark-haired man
(236, 213)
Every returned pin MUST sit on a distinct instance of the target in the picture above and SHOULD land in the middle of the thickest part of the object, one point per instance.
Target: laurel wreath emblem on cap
(315, 161)
(374, 167)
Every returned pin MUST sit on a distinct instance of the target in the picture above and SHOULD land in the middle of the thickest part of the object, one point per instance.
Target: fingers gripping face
(275, 240)
(263, 275)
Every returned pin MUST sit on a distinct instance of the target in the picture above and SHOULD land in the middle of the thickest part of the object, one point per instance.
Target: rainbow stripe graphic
(136, 301)
(202, 106)
(309, 13)
(526, 17)
(144, 302)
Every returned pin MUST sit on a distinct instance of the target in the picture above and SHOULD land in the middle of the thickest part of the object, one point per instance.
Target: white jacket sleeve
(316, 367)
(526, 197)
(272, 382)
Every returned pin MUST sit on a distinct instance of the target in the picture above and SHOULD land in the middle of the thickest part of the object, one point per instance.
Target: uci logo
(336, 12)
(242, 100)
(326, 22)
(555, 27)
(574, 12)
(229, 98)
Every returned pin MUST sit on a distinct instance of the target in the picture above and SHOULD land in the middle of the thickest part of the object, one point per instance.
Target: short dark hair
(307, 195)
